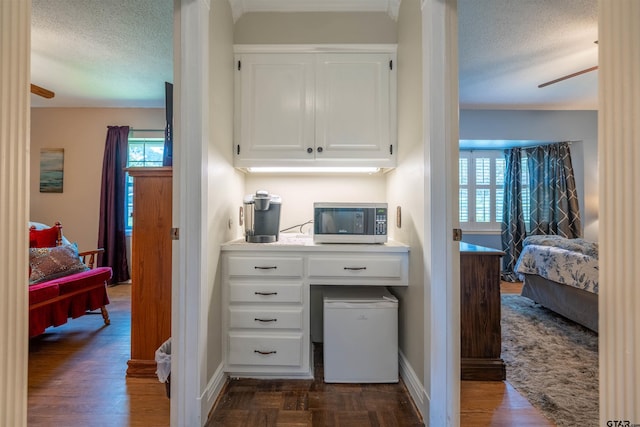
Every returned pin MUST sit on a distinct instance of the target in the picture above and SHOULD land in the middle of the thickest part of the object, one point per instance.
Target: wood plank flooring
(77, 378)
(497, 403)
(77, 374)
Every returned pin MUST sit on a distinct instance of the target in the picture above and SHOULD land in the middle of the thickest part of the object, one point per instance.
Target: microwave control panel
(381, 221)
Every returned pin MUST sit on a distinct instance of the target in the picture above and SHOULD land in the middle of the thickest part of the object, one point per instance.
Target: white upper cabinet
(274, 106)
(315, 108)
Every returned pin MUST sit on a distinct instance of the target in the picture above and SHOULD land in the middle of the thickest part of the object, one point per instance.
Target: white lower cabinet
(358, 269)
(259, 350)
(266, 299)
(266, 323)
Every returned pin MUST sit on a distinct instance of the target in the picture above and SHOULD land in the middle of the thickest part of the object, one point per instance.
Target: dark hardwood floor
(77, 374)
(249, 402)
(77, 379)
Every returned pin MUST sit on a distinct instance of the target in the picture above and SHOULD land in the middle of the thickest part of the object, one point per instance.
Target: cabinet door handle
(319, 149)
(265, 320)
(309, 150)
(272, 267)
(265, 352)
(355, 268)
(265, 293)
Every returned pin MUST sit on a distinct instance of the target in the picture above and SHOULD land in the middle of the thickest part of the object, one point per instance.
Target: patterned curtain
(554, 201)
(513, 226)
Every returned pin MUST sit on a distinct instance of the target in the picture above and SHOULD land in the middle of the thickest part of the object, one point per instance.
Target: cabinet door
(355, 106)
(274, 107)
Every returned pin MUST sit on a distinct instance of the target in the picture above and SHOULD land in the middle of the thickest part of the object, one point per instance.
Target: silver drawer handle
(265, 293)
(265, 320)
(265, 352)
(272, 267)
(355, 268)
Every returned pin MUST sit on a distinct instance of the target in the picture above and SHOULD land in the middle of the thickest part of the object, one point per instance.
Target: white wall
(299, 192)
(81, 132)
(578, 126)
(403, 186)
(317, 27)
(224, 184)
(406, 186)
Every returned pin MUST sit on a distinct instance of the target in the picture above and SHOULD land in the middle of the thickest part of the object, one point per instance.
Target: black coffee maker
(262, 217)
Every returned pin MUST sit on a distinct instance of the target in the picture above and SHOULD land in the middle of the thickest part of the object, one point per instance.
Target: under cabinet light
(319, 169)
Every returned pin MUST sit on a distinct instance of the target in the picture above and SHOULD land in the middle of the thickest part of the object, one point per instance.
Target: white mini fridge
(360, 335)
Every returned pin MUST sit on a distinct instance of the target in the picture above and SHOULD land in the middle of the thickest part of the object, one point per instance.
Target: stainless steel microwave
(350, 222)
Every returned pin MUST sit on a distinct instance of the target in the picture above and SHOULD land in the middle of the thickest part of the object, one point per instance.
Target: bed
(562, 275)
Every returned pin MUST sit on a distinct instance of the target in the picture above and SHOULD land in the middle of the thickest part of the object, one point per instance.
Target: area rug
(551, 361)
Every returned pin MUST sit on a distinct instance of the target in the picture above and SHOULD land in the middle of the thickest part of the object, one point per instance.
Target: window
(143, 152)
(482, 174)
(481, 189)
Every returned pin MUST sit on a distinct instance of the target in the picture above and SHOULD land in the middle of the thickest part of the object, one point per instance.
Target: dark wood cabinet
(480, 333)
(150, 267)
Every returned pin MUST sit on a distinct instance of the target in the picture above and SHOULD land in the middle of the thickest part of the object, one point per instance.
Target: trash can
(163, 361)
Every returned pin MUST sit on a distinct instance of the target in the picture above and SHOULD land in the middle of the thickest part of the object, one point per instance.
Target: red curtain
(111, 232)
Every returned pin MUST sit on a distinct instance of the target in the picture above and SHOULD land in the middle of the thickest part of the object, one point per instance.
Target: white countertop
(304, 242)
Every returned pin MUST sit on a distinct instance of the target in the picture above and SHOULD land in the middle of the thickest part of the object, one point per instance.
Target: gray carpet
(551, 361)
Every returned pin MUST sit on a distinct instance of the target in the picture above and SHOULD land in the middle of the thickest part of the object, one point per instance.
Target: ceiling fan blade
(40, 91)
(568, 76)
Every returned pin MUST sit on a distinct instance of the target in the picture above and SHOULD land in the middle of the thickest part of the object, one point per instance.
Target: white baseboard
(414, 386)
(211, 393)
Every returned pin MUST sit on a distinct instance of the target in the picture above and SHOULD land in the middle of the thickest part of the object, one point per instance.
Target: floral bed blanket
(572, 262)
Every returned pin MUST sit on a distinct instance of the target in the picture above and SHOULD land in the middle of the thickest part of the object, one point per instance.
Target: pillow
(45, 238)
(50, 263)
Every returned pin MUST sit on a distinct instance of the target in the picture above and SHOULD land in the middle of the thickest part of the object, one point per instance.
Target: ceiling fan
(40, 91)
(568, 76)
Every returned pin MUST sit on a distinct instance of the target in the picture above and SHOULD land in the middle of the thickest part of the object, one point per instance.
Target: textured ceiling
(508, 47)
(109, 53)
(118, 53)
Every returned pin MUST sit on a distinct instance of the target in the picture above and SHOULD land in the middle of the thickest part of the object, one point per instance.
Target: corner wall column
(15, 42)
(619, 206)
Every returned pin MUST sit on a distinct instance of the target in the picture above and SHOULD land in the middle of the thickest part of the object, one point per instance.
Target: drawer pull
(355, 268)
(265, 320)
(265, 352)
(265, 293)
(273, 267)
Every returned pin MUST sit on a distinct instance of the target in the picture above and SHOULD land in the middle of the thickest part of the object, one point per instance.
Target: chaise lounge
(63, 283)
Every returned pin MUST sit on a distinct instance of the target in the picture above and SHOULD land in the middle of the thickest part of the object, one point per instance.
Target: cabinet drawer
(265, 319)
(265, 266)
(387, 266)
(265, 350)
(265, 292)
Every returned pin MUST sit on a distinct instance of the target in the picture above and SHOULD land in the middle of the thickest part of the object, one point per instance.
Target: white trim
(315, 48)
(191, 96)
(240, 7)
(14, 199)
(442, 260)
(487, 232)
(619, 237)
(414, 386)
(211, 392)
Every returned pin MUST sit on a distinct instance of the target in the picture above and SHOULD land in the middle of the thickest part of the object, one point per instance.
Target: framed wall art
(51, 170)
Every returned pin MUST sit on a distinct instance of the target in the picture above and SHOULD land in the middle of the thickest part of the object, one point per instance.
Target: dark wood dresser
(480, 333)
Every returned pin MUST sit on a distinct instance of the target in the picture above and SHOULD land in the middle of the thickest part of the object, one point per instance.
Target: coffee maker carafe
(262, 217)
